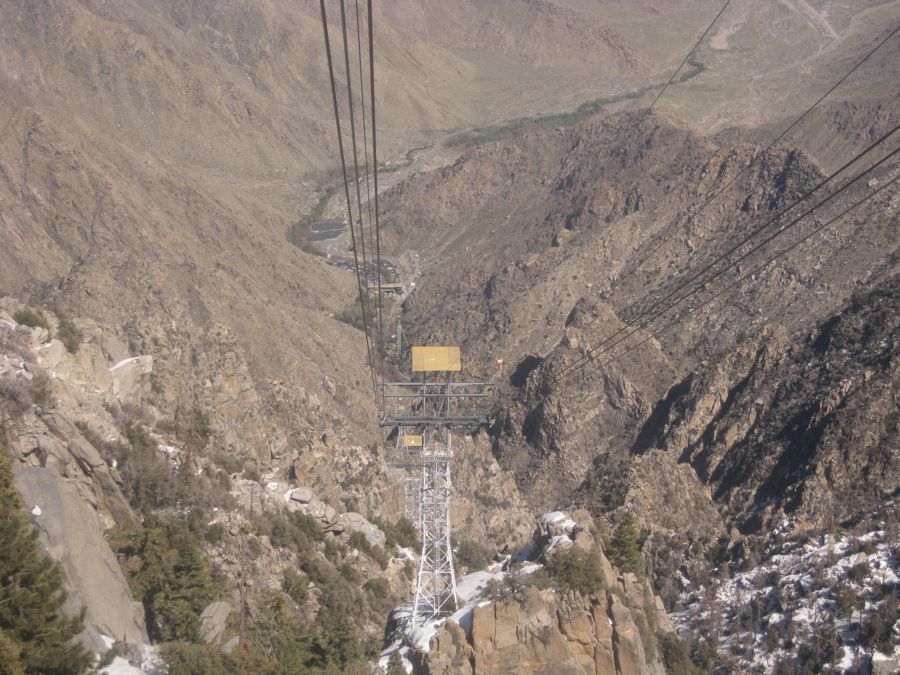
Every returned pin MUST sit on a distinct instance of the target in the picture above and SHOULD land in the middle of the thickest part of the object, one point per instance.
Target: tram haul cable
(337, 119)
(689, 54)
(756, 270)
(706, 269)
(778, 138)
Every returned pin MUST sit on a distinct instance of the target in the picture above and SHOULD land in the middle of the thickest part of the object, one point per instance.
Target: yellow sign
(410, 441)
(435, 359)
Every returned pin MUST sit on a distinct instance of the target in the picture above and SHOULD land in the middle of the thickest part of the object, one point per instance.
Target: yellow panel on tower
(410, 441)
(435, 359)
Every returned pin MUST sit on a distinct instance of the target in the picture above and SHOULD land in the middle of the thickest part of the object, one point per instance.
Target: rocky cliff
(805, 427)
(556, 606)
(108, 481)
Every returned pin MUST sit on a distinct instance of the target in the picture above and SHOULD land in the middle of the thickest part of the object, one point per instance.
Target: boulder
(71, 533)
(213, 622)
(356, 522)
(304, 495)
(885, 665)
(130, 378)
(83, 452)
(51, 354)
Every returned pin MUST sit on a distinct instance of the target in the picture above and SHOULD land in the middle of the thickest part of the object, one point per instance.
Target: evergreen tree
(171, 578)
(183, 599)
(31, 596)
(395, 664)
(286, 639)
(623, 547)
(10, 664)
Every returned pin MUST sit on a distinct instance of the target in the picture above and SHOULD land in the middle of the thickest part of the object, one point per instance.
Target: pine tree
(10, 663)
(395, 664)
(182, 600)
(31, 596)
(171, 578)
(623, 547)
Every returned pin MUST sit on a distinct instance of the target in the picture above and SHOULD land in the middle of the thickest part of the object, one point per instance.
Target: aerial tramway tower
(436, 405)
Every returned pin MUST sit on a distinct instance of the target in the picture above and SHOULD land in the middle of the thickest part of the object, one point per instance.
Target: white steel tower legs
(436, 583)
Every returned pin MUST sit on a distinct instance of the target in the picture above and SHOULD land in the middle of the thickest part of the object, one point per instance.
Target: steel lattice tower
(435, 407)
(436, 581)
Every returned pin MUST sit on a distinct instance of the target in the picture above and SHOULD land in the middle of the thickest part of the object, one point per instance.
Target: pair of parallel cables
(373, 326)
(709, 273)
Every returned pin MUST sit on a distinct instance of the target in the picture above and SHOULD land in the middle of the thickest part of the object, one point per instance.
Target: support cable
(337, 121)
(781, 136)
(378, 327)
(690, 310)
(352, 115)
(689, 54)
(777, 139)
(375, 177)
(379, 324)
(753, 233)
(596, 353)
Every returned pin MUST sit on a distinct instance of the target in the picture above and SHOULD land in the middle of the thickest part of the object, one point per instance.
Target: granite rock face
(612, 630)
(544, 632)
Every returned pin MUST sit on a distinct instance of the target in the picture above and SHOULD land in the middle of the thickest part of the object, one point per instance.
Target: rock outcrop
(532, 625)
(72, 492)
(541, 631)
(803, 428)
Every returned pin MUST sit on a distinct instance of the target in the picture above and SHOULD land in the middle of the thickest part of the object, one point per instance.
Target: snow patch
(125, 362)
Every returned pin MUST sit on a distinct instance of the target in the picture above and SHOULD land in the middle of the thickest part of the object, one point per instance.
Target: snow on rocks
(556, 523)
(816, 595)
(147, 662)
(555, 529)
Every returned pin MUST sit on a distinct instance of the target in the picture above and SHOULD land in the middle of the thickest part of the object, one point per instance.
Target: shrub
(67, 332)
(295, 585)
(378, 588)
(154, 486)
(183, 658)
(40, 388)
(859, 571)
(214, 533)
(358, 541)
(15, 396)
(623, 546)
(10, 663)
(576, 568)
(31, 318)
(229, 463)
(353, 315)
(472, 555)
(399, 533)
(293, 529)
(514, 584)
(877, 630)
(312, 249)
(251, 472)
(676, 655)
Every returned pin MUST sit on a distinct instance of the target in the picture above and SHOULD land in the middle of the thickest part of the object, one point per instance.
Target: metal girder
(432, 421)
